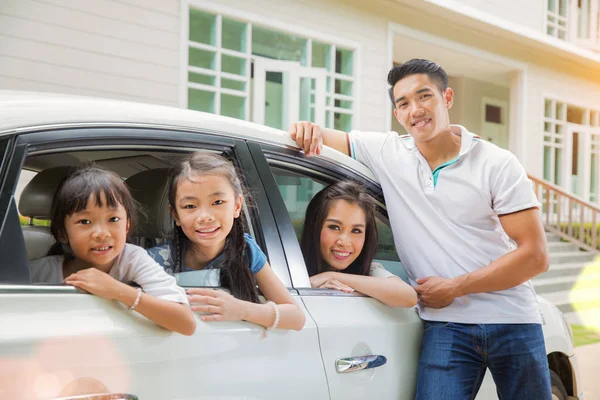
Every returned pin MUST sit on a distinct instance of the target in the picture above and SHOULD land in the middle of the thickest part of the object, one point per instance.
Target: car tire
(558, 389)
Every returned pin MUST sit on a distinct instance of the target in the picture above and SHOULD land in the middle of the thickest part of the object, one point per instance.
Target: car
(58, 342)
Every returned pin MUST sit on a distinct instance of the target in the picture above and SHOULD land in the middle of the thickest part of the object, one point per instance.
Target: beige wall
(529, 13)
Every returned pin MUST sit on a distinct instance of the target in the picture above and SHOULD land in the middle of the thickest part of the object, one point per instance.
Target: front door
(285, 92)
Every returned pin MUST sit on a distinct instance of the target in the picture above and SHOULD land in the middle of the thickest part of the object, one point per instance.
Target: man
(454, 203)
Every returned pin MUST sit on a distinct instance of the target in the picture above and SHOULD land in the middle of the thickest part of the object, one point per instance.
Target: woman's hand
(221, 305)
(326, 280)
(96, 282)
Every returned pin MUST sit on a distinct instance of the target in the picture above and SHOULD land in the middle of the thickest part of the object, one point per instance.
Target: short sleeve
(512, 190)
(138, 266)
(257, 257)
(378, 271)
(365, 147)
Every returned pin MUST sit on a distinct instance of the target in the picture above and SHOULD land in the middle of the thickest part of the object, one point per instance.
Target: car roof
(22, 111)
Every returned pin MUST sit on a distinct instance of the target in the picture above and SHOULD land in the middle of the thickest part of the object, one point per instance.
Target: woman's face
(343, 234)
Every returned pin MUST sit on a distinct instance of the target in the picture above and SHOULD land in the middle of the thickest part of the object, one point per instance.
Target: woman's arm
(224, 307)
(391, 291)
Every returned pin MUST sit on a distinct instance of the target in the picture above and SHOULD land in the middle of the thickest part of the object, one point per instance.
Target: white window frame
(592, 41)
(552, 19)
(272, 24)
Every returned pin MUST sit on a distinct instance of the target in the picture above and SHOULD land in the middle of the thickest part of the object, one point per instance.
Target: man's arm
(529, 259)
(311, 137)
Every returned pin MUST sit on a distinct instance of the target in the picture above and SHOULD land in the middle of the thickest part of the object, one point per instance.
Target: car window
(298, 189)
(145, 173)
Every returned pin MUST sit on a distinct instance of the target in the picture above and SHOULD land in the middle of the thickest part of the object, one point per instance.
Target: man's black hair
(417, 66)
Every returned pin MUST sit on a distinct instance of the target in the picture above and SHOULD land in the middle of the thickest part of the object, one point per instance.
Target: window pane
(233, 65)
(201, 78)
(277, 45)
(342, 122)
(547, 163)
(202, 27)
(548, 109)
(343, 104)
(234, 35)
(201, 58)
(233, 84)
(343, 61)
(343, 87)
(321, 55)
(386, 251)
(233, 106)
(201, 100)
(306, 99)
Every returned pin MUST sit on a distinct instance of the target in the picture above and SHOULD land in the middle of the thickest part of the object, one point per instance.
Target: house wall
(530, 13)
(127, 49)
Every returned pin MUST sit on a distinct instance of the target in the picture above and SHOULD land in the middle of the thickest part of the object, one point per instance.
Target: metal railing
(568, 216)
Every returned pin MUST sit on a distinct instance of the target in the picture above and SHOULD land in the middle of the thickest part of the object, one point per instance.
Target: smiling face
(205, 208)
(96, 234)
(420, 107)
(343, 234)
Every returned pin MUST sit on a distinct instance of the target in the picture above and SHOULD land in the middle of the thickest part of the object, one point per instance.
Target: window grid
(336, 104)
(557, 21)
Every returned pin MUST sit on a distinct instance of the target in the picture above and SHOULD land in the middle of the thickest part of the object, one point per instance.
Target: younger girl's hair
(235, 270)
(317, 212)
(73, 194)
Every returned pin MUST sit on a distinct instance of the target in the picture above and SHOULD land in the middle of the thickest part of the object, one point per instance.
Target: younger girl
(339, 242)
(92, 212)
(205, 200)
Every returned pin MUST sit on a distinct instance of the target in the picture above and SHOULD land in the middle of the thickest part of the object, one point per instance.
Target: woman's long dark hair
(235, 270)
(317, 212)
(73, 194)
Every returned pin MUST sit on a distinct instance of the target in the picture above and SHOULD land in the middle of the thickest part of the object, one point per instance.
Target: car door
(350, 326)
(57, 341)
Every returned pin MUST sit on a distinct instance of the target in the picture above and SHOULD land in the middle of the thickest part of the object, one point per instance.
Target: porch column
(517, 135)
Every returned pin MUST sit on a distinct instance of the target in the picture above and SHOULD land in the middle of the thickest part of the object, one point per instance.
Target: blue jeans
(454, 358)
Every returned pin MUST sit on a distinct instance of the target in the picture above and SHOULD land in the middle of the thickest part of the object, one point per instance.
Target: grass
(583, 335)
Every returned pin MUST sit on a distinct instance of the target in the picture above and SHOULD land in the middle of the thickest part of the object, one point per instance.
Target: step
(552, 237)
(569, 269)
(575, 300)
(571, 257)
(559, 247)
(567, 283)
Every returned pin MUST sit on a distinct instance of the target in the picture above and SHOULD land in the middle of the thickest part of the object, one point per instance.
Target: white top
(377, 270)
(452, 228)
(132, 265)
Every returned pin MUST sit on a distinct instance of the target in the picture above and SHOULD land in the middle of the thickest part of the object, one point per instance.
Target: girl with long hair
(339, 242)
(205, 201)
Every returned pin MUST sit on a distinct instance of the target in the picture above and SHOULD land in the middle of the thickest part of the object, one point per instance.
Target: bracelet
(276, 322)
(137, 299)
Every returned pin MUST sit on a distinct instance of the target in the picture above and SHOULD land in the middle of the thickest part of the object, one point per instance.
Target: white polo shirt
(445, 222)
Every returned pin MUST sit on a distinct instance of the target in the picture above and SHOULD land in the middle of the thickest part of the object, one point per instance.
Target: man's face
(420, 107)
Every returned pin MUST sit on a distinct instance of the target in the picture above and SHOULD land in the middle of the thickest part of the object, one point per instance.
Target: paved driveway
(588, 358)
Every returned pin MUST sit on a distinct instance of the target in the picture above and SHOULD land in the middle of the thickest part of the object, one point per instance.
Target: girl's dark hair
(73, 194)
(235, 269)
(317, 212)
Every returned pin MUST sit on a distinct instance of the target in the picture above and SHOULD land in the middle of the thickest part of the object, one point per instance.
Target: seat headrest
(36, 198)
(149, 188)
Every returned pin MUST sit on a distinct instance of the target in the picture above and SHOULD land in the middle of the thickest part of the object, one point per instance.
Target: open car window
(297, 188)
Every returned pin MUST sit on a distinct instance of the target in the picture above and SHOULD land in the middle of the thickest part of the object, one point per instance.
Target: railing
(570, 217)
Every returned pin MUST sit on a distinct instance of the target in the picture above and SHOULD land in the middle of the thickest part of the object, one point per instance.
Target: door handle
(351, 364)
(101, 396)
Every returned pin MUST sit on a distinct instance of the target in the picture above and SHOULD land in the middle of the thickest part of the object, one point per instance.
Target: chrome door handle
(101, 396)
(351, 364)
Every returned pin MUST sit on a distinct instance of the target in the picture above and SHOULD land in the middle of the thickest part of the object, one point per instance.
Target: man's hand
(221, 305)
(436, 292)
(96, 282)
(308, 136)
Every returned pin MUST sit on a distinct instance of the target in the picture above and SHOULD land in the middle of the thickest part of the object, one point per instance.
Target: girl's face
(205, 208)
(343, 234)
(97, 235)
